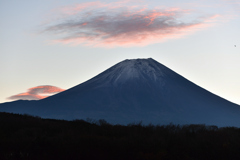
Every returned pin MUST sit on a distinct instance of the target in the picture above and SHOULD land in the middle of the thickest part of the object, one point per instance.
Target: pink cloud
(100, 24)
(36, 93)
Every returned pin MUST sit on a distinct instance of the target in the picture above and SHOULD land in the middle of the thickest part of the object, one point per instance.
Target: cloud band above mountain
(110, 25)
(36, 93)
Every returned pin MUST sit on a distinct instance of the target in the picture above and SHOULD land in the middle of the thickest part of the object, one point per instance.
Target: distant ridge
(132, 91)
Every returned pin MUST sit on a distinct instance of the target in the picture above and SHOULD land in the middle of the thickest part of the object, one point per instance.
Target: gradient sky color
(50, 45)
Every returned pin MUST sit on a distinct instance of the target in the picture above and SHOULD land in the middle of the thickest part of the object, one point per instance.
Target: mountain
(133, 91)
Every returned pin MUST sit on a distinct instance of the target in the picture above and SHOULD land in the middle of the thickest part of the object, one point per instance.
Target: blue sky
(63, 43)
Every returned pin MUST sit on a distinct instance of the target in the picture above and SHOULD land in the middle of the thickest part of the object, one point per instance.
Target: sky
(49, 46)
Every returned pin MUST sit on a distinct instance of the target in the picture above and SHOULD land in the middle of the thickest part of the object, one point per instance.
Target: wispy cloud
(235, 5)
(36, 93)
(112, 25)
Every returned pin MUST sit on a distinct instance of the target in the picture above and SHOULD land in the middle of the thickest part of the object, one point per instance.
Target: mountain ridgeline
(132, 91)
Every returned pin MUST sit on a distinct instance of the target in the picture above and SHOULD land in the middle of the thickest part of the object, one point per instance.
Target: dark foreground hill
(131, 91)
(33, 138)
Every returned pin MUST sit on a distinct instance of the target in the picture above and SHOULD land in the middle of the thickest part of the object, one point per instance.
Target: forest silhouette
(34, 138)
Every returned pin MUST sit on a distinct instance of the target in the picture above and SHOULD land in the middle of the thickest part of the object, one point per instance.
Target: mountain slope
(132, 91)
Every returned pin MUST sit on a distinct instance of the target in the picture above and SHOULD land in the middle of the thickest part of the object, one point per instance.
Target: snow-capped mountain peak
(145, 69)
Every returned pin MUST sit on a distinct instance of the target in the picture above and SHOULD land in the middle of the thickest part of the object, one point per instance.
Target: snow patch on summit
(127, 70)
(136, 68)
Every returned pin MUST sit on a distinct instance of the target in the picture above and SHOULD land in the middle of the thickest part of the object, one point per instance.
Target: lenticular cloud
(37, 93)
(113, 25)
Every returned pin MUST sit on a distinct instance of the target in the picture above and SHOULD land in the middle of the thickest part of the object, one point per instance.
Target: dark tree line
(27, 137)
